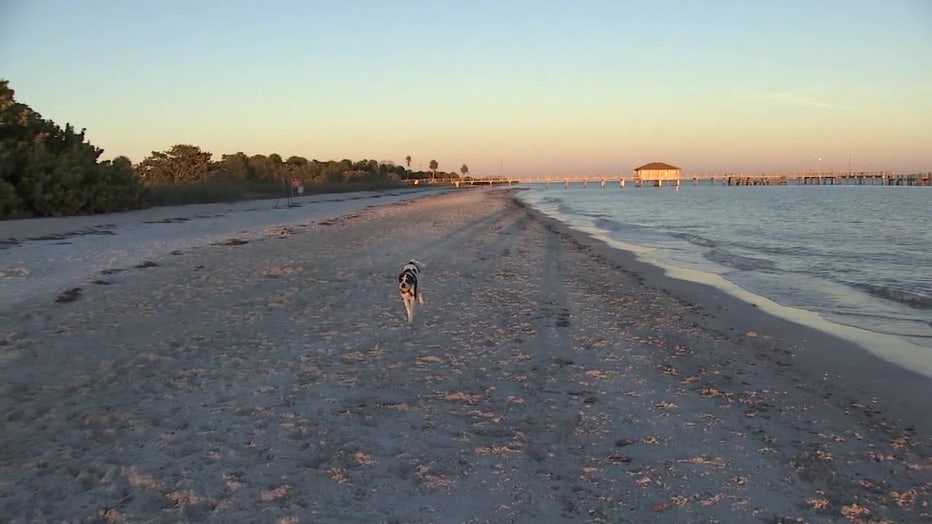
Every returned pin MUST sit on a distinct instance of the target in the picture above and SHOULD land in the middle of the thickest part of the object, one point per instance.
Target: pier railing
(886, 178)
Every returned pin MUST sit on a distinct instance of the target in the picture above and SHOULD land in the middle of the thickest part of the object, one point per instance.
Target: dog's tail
(417, 263)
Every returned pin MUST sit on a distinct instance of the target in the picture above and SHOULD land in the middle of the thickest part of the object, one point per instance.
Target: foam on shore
(890, 348)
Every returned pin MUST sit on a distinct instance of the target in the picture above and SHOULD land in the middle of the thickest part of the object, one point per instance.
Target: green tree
(387, 168)
(297, 161)
(47, 170)
(408, 162)
(315, 169)
(260, 168)
(235, 166)
(360, 165)
(53, 184)
(464, 169)
(298, 167)
(182, 163)
(123, 163)
(113, 187)
(334, 172)
(10, 203)
(433, 169)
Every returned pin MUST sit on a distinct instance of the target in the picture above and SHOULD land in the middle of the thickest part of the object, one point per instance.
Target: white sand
(547, 379)
(46, 255)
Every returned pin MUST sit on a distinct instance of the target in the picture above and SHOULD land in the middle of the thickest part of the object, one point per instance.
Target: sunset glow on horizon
(516, 87)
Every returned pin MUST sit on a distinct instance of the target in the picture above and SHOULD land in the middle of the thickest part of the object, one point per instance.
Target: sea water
(855, 261)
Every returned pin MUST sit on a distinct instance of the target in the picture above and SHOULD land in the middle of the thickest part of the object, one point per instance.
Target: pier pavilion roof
(655, 166)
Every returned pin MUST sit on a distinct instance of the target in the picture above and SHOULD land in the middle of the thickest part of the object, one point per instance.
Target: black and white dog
(408, 284)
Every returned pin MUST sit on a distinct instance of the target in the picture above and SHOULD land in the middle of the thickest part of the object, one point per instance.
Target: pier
(879, 178)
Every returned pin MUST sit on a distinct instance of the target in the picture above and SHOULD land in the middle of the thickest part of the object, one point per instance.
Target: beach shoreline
(548, 376)
(822, 354)
(810, 286)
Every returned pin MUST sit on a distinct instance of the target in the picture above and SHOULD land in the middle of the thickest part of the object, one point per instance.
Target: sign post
(290, 189)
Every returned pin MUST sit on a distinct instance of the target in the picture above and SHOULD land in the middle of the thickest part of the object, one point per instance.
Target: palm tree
(433, 170)
(464, 170)
(408, 162)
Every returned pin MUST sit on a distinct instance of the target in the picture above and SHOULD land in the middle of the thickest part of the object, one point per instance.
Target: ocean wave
(608, 224)
(565, 209)
(913, 299)
(696, 239)
(737, 261)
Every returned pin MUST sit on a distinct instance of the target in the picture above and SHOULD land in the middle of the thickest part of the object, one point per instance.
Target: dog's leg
(409, 306)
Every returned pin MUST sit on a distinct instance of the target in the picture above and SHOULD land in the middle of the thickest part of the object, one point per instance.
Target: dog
(409, 285)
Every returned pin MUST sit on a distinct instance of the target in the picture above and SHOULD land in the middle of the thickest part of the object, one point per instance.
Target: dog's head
(407, 281)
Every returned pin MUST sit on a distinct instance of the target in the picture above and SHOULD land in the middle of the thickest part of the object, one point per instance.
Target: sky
(524, 88)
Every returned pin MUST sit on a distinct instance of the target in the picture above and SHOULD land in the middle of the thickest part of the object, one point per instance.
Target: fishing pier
(874, 178)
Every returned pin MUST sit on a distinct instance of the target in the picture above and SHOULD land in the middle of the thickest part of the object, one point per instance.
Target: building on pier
(656, 172)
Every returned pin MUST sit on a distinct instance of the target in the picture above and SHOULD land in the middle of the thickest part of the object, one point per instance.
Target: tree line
(185, 163)
(46, 170)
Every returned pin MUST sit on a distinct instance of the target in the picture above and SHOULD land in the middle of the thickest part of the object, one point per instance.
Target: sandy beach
(273, 378)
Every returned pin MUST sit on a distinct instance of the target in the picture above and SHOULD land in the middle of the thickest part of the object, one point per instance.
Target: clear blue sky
(528, 87)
